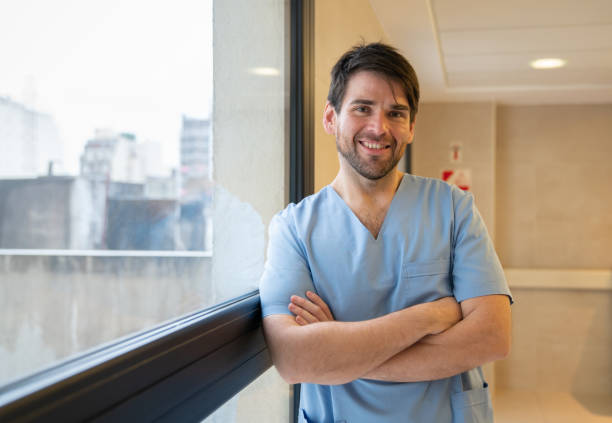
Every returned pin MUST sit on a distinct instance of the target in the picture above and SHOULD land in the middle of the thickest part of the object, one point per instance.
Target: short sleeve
(286, 271)
(476, 269)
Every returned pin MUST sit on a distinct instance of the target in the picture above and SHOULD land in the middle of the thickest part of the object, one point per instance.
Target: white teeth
(374, 146)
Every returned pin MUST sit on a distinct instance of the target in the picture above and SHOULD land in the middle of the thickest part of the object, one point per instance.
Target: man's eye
(396, 114)
(361, 109)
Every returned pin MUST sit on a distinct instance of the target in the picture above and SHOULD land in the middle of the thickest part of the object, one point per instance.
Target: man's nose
(379, 123)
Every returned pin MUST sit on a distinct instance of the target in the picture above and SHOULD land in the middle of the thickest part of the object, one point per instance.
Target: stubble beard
(377, 169)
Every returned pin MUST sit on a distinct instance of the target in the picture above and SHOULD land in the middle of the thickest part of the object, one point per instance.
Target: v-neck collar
(354, 216)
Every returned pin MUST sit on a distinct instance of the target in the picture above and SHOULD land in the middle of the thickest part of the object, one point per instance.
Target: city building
(59, 212)
(141, 224)
(74, 213)
(157, 187)
(196, 183)
(29, 141)
(112, 156)
(196, 153)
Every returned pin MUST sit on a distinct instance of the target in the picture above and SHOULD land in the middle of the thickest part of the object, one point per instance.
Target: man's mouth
(374, 146)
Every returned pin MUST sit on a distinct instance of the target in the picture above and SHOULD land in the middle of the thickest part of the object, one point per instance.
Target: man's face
(373, 126)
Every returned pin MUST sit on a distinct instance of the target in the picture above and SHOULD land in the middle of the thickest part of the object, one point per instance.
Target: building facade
(29, 141)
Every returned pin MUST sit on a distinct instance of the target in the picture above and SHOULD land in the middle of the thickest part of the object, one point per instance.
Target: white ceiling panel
(526, 40)
(475, 14)
(530, 77)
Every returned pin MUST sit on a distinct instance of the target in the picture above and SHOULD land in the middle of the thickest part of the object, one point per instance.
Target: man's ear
(411, 134)
(329, 119)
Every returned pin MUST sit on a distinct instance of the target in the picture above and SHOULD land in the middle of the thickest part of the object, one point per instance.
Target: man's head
(371, 107)
(376, 57)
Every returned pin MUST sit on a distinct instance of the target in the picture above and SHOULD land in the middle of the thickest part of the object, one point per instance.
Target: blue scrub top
(432, 244)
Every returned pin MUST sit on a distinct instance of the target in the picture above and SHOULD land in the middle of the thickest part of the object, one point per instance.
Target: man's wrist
(421, 319)
(429, 318)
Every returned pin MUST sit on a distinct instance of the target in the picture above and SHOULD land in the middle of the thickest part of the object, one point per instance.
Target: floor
(551, 407)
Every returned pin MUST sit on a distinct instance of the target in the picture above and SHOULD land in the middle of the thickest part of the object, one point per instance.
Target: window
(130, 197)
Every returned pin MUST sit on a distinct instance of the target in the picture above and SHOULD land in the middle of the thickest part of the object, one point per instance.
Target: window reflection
(105, 173)
(106, 136)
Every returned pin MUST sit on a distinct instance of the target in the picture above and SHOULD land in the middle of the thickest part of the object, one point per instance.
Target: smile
(373, 145)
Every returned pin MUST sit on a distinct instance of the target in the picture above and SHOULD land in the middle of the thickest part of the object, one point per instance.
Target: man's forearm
(482, 336)
(339, 352)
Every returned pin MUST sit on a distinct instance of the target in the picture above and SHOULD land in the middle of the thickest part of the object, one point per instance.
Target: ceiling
(480, 50)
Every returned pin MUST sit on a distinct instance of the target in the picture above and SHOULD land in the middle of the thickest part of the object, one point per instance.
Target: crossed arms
(423, 342)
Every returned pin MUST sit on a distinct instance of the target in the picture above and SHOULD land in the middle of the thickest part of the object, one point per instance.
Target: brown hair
(374, 57)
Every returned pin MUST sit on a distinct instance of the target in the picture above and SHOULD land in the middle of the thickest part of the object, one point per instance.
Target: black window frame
(302, 119)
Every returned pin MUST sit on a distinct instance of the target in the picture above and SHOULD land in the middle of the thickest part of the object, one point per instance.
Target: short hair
(374, 57)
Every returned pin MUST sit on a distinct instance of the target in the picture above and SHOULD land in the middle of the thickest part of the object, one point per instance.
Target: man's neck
(356, 189)
(368, 199)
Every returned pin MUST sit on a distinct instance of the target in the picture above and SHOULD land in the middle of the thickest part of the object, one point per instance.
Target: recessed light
(548, 63)
(265, 71)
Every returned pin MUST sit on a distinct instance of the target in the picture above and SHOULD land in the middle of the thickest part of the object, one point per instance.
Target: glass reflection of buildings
(136, 211)
(196, 182)
(120, 199)
(29, 141)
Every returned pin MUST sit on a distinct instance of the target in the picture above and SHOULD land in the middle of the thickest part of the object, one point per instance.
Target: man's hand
(443, 313)
(482, 335)
(334, 352)
(310, 310)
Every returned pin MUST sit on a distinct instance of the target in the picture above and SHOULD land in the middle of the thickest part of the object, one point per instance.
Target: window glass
(130, 195)
(106, 125)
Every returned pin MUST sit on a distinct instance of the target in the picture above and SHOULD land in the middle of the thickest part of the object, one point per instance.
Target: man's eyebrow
(370, 102)
(362, 101)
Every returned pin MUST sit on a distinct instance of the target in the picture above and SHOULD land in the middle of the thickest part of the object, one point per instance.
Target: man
(382, 293)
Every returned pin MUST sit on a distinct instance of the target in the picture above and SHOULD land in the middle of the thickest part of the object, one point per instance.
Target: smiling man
(382, 293)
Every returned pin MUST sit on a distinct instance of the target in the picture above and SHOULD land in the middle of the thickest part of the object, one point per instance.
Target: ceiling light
(548, 63)
(265, 71)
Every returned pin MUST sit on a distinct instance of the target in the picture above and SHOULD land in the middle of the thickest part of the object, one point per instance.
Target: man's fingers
(312, 308)
(306, 316)
(319, 301)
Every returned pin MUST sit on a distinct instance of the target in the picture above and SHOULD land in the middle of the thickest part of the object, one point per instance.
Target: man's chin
(372, 171)
(373, 174)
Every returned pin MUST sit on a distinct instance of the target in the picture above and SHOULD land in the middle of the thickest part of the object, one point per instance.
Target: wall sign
(456, 152)
(459, 177)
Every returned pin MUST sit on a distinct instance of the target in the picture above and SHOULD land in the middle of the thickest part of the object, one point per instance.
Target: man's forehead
(368, 86)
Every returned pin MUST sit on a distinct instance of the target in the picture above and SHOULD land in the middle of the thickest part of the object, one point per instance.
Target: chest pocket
(424, 281)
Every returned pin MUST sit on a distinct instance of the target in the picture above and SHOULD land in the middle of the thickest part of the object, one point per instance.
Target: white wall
(438, 125)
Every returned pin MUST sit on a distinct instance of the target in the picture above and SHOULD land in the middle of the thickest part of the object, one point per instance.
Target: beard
(374, 167)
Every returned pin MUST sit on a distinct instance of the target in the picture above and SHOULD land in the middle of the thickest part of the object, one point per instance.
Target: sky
(125, 65)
